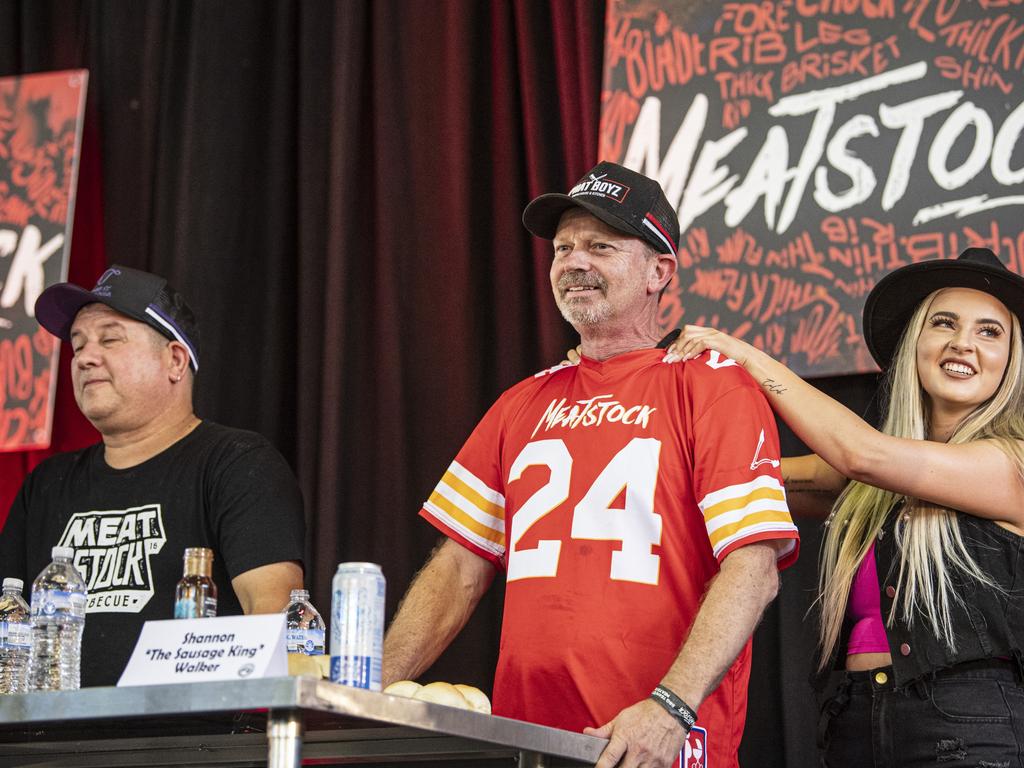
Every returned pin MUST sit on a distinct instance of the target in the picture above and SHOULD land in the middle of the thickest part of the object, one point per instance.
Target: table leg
(284, 738)
(531, 760)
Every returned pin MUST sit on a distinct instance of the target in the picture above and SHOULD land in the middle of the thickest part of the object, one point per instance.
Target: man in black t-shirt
(160, 481)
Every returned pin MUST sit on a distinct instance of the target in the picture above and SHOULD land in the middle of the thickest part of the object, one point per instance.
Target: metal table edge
(325, 696)
(299, 693)
(151, 700)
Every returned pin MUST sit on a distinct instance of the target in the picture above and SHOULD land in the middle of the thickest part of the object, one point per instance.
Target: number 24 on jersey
(634, 469)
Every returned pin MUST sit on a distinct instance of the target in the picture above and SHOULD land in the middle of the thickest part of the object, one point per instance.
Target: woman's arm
(811, 485)
(977, 478)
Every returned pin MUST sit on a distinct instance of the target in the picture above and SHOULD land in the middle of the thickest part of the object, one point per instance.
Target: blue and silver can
(357, 625)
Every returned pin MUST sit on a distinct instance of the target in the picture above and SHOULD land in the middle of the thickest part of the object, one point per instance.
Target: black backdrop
(337, 189)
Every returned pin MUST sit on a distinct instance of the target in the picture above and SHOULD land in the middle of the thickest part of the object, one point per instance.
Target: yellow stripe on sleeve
(463, 519)
(755, 518)
(472, 496)
(730, 505)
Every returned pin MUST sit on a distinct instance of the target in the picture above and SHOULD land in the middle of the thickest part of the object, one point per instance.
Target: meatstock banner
(40, 137)
(811, 146)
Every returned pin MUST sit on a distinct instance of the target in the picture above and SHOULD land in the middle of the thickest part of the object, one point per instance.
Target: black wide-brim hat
(892, 302)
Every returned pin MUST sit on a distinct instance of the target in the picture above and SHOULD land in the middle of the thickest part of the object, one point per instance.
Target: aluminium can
(357, 625)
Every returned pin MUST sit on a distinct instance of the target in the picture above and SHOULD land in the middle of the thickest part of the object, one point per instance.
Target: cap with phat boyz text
(623, 199)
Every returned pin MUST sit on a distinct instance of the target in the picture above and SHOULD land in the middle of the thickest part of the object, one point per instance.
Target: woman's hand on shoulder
(696, 339)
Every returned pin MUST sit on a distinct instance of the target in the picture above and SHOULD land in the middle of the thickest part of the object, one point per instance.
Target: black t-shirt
(222, 488)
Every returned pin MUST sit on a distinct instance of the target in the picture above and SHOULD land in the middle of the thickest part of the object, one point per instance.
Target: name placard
(200, 650)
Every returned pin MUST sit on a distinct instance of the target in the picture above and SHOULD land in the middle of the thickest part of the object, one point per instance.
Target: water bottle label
(15, 635)
(314, 642)
(307, 641)
(209, 607)
(49, 602)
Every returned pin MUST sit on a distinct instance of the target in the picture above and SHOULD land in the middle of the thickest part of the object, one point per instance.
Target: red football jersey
(610, 492)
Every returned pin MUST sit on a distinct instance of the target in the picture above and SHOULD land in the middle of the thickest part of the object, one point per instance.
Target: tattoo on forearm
(774, 387)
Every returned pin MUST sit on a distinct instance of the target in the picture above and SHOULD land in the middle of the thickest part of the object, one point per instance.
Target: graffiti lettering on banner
(40, 138)
(810, 147)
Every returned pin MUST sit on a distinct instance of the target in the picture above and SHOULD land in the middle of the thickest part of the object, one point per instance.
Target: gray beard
(578, 316)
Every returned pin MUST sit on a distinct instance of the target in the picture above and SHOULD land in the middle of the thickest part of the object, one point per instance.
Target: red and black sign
(40, 136)
(811, 146)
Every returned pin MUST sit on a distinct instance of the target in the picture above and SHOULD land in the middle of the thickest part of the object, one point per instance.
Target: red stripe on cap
(661, 229)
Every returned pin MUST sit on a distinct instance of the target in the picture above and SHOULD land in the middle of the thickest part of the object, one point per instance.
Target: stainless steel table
(306, 722)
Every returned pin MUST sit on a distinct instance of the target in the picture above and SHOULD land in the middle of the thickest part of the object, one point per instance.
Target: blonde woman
(922, 569)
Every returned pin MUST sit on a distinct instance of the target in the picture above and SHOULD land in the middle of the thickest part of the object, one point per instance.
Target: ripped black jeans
(969, 715)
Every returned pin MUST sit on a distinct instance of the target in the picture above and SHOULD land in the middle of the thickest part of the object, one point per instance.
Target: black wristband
(675, 706)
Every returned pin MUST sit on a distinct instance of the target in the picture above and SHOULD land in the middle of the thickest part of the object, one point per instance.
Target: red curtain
(421, 295)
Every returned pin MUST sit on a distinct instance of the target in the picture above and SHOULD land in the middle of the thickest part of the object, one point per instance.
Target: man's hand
(641, 735)
(645, 734)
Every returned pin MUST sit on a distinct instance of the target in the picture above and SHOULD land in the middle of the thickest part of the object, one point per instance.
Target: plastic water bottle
(58, 617)
(305, 632)
(15, 638)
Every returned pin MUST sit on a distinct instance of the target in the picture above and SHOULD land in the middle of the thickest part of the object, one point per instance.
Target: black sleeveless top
(987, 623)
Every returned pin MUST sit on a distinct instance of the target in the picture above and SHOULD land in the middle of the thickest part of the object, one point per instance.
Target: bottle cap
(299, 594)
(63, 552)
(358, 567)
(12, 583)
(199, 552)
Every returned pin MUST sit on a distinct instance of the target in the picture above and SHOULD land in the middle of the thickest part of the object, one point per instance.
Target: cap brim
(542, 215)
(58, 305)
(892, 302)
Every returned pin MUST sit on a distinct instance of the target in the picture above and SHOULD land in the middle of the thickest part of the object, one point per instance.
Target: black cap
(623, 199)
(892, 301)
(139, 295)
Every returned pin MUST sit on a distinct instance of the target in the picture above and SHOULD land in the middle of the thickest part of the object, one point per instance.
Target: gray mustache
(580, 279)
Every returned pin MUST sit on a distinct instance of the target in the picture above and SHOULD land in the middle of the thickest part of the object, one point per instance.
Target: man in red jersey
(635, 506)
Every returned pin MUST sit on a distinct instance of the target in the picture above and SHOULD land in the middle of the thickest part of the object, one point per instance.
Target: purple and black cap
(623, 199)
(139, 295)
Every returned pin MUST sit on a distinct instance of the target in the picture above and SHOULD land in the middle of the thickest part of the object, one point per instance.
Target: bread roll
(301, 664)
(443, 693)
(405, 688)
(477, 699)
(323, 661)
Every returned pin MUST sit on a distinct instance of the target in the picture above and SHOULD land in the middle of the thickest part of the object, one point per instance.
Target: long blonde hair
(928, 538)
